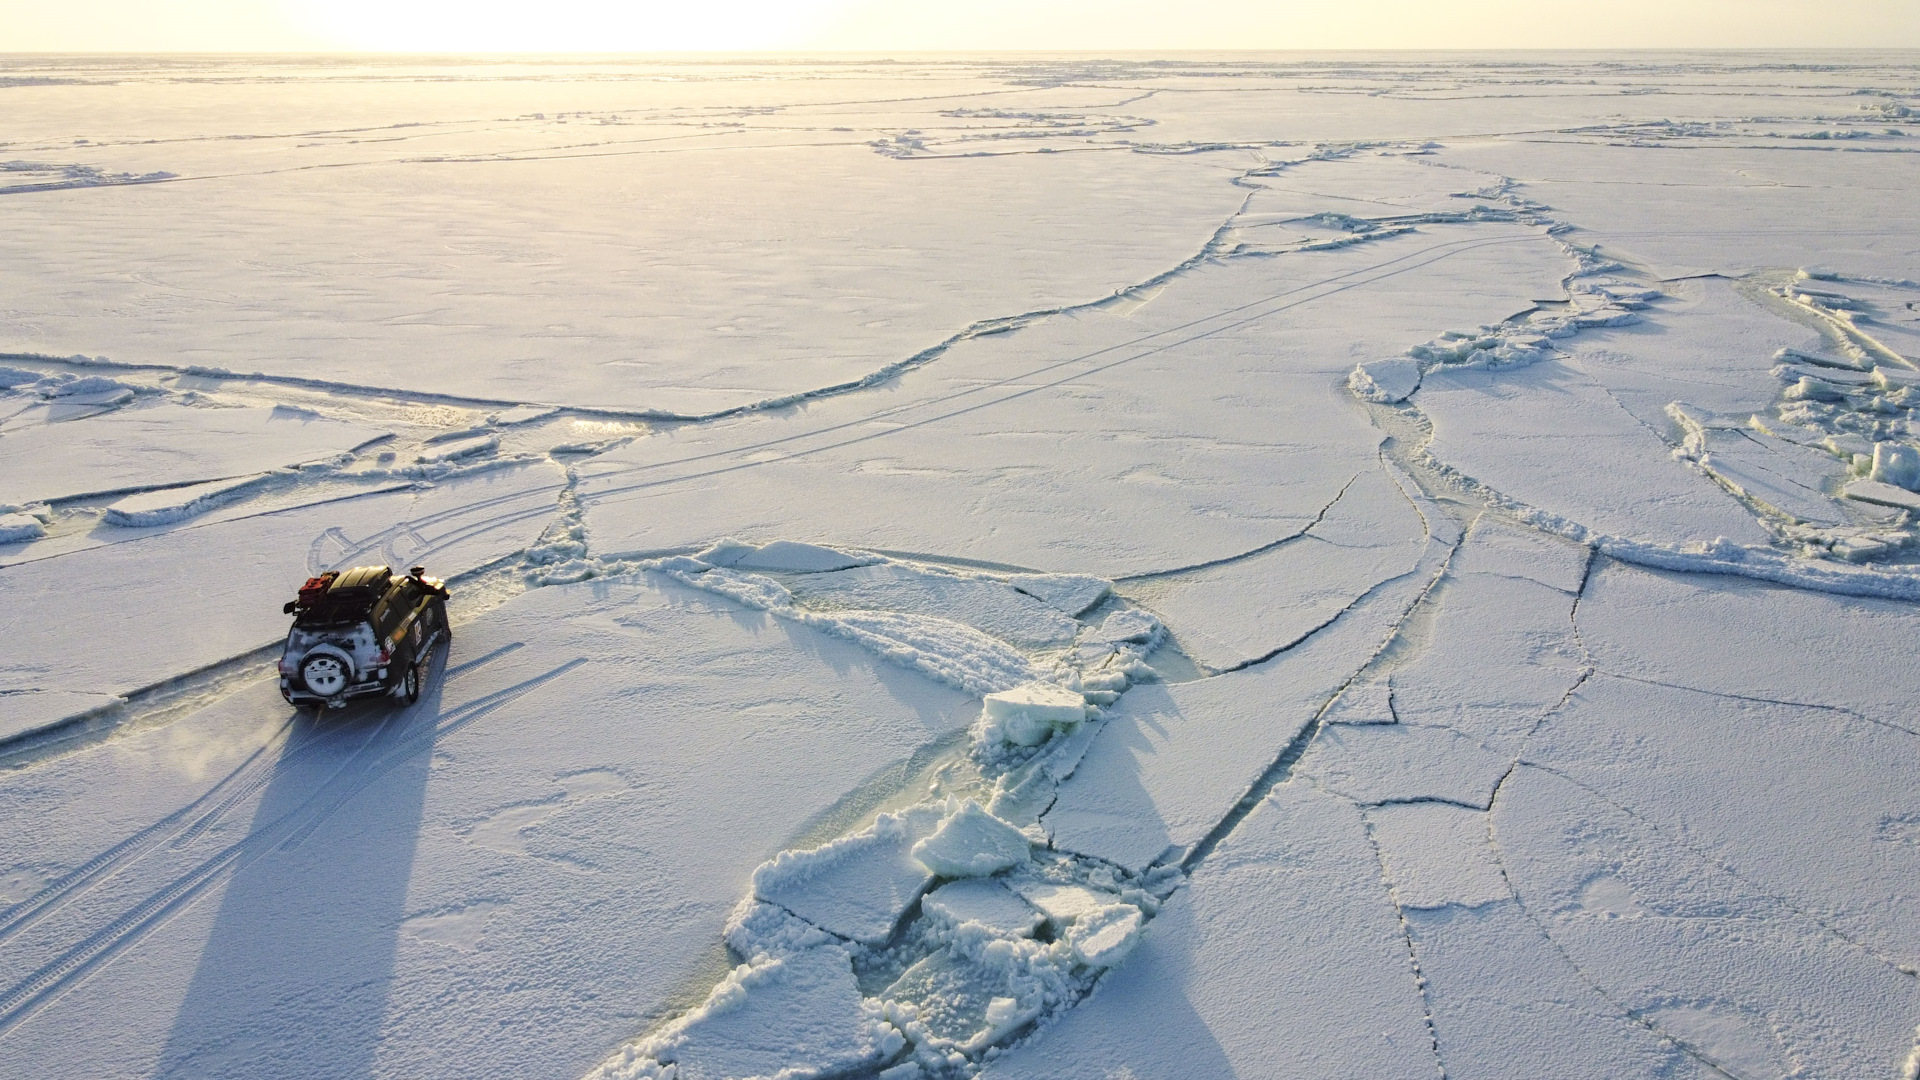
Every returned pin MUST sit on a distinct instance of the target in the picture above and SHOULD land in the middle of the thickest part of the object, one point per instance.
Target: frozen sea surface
(1221, 567)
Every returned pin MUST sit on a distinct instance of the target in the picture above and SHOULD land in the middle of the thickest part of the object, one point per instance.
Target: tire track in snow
(57, 894)
(21, 1000)
(1331, 286)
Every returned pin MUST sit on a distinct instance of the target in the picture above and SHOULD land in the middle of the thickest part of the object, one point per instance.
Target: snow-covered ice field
(1285, 566)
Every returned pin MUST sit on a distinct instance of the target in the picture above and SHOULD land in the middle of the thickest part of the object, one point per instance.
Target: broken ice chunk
(1103, 937)
(857, 886)
(685, 564)
(1821, 359)
(797, 558)
(1071, 593)
(972, 843)
(988, 903)
(169, 505)
(757, 928)
(1028, 715)
(15, 528)
(91, 390)
(1129, 625)
(798, 1015)
(458, 450)
(521, 414)
(1793, 373)
(1890, 378)
(1385, 381)
(1896, 464)
(987, 604)
(1812, 389)
(1847, 445)
(1062, 904)
(1872, 491)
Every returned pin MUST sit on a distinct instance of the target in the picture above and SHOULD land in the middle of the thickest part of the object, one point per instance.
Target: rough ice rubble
(961, 969)
(1595, 302)
(1602, 301)
(965, 972)
(974, 642)
(1557, 491)
(1842, 415)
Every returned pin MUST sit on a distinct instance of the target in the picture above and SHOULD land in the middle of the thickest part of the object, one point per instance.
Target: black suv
(361, 632)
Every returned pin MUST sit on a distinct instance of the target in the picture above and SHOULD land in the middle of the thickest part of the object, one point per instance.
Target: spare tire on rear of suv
(324, 673)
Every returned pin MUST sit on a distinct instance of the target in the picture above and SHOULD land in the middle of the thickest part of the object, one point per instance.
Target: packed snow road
(1054, 569)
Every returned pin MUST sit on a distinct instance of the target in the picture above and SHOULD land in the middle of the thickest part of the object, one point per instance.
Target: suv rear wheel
(410, 684)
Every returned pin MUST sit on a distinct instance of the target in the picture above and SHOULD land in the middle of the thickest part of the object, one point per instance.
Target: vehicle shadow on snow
(294, 976)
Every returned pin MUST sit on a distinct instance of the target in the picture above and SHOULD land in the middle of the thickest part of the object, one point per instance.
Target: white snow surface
(162, 445)
(1203, 566)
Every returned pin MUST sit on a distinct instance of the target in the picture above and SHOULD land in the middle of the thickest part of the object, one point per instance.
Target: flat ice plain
(1325, 566)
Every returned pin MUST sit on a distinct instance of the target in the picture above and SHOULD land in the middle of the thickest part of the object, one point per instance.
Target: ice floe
(169, 505)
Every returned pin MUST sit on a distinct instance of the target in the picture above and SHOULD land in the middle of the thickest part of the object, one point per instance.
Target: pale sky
(907, 25)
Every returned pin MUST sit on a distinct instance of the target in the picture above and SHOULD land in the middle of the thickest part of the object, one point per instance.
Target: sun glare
(559, 26)
(643, 26)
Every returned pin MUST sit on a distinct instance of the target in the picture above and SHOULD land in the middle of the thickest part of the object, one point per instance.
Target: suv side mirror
(291, 604)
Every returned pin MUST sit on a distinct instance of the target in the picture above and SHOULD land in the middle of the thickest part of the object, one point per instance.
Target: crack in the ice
(1282, 766)
(1228, 560)
(1406, 935)
(1757, 700)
